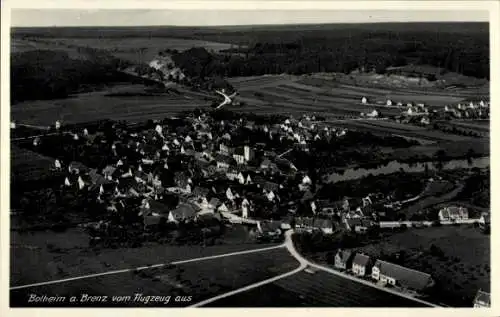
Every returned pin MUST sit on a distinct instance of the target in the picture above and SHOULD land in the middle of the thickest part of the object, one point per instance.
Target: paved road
(291, 248)
(304, 263)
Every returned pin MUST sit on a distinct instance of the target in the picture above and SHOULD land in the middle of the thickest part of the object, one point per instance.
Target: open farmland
(475, 125)
(133, 49)
(318, 290)
(431, 98)
(391, 127)
(205, 278)
(461, 269)
(27, 165)
(99, 105)
(302, 93)
(67, 254)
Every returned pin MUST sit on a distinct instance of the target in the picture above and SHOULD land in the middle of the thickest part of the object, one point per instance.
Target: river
(395, 166)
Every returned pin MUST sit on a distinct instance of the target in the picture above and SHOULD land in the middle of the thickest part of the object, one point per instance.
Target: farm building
(484, 221)
(223, 161)
(393, 274)
(184, 212)
(343, 259)
(453, 213)
(361, 264)
(482, 299)
(325, 225)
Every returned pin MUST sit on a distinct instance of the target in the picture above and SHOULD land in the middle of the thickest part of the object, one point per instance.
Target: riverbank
(390, 167)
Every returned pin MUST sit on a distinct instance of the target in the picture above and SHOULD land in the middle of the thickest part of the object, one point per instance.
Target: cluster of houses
(473, 110)
(420, 112)
(382, 272)
(453, 213)
(197, 161)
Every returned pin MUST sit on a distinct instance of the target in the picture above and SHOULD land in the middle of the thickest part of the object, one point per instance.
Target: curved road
(304, 263)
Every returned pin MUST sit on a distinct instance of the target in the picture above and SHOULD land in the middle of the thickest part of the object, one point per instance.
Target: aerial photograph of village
(285, 164)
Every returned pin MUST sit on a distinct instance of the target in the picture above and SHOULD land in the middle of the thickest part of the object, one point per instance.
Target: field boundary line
(301, 267)
(211, 257)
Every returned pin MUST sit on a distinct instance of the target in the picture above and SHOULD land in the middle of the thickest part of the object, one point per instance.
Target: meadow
(200, 280)
(67, 254)
(461, 270)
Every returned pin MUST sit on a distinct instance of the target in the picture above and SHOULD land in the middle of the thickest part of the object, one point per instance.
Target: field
(133, 49)
(429, 200)
(431, 98)
(68, 254)
(98, 105)
(383, 126)
(318, 290)
(476, 125)
(200, 280)
(27, 165)
(461, 269)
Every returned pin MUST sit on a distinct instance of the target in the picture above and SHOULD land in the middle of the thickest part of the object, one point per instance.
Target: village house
(453, 213)
(214, 203)
(324, 225)
(223, 208)
(224, 149)
(77, 168)
(243, 154)
(270, 228)
(153, 213)
(359, 225)
(396, 275)
(181, 179)
(361, 265)
(184, 212)
(223, 161)
(304, 223)
(482, 299)
(343, 259)
(484, 221)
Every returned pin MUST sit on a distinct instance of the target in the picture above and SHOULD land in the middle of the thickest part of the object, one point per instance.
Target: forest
(46, 74)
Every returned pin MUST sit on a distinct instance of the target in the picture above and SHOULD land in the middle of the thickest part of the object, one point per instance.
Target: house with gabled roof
(325, 225)
(393, 274)
(214, 203)
(453, 213)
(485, 221)
(108, 172)
(224, 161)
(223, 208)
(361, 264)
(77, 167)
(184, 212)
(343, 259)
(482, 299)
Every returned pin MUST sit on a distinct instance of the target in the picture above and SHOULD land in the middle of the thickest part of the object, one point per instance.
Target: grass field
(483, 125)
(201, 280)
(404, 130)
(27, 165)
(97, 106)
(430, 98)
(318, 290)
(461, 271)
(68, 254)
